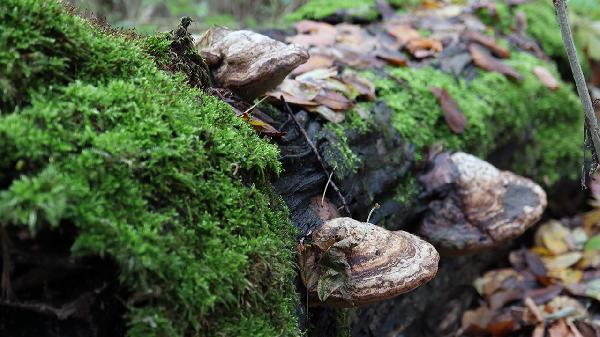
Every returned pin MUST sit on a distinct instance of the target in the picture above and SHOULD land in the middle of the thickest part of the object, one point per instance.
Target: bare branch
(584, 95)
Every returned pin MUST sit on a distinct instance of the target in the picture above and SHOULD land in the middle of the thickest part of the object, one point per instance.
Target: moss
(543, 27)
(500, 17)
(338, 153)
(319, 9)
(499, 112)
(94, 134)
(407, 191)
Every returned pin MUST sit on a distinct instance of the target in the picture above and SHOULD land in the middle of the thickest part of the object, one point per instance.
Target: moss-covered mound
(149, 170)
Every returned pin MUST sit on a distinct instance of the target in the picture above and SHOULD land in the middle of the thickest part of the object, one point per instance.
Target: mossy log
(131, 195)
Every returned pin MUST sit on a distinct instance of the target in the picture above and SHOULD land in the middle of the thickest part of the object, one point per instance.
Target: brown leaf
(392, 57)
(483, 59)
(333, 100)
(535, 263)
(354, 37)
(546, 78)
(363, 86)
(488, 42)
(312, 33)
(543, 295)
(454, 117)
(423, 47)
(499, 299)
(261, 126)
(314, 62)
(309, 26)
(402, 32)
(328, 114)
(296, 92)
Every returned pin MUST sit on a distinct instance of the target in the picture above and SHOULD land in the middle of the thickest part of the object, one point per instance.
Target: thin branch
(316, 152)
(327, 185)
(582, 90)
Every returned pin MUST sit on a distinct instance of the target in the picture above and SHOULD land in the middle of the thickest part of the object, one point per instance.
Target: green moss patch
(499, 112)
(149, 170)
(319, 9)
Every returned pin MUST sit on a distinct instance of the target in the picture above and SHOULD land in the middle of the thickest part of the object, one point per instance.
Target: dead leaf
(328, 114)
(392, 57)
(317, 75)
(546, 77)
(314, 62)
(562, 261)
(543, 295)
(362, 86)
(492, 281)
(552, 235)
(354, 37)
(296, 92)
(261, 126)
(402, 32)
(567, 275)
(483, 59)
(312, 33)
(487, 42)
(423, 47)
(333, 100)
(454, 117)
(500, 299)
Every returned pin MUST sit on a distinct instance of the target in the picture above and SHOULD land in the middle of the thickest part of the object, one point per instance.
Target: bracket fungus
(248, 63)
(474, 206)
(351, 263)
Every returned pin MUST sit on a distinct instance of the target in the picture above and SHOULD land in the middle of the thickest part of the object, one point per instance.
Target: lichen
(499, 112)
(93, 134)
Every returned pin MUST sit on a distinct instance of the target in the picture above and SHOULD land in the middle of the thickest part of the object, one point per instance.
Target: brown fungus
(474, 206)
(351, 263)
(248, 63)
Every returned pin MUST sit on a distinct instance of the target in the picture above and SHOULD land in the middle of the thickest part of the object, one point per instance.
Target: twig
(327, 185)
(316, 152)
(584, 95)
(255, 105)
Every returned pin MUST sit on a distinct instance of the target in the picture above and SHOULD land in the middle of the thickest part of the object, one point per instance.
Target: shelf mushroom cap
(475, 206)
(351, 263)
(246, 62)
